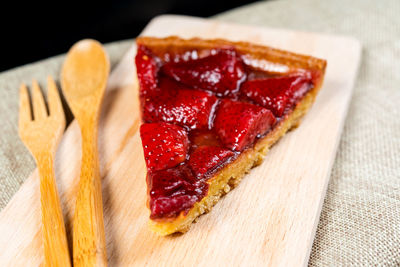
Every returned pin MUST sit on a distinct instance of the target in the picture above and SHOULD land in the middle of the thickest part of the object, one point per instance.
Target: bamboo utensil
(41, 136)
(83, 78)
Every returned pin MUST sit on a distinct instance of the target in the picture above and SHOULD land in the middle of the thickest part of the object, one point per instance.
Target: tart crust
(260, 58)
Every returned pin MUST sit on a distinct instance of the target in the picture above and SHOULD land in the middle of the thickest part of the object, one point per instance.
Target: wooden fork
(41, 136)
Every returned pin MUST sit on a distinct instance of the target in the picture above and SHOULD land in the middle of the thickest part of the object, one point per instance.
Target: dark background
(35, 30)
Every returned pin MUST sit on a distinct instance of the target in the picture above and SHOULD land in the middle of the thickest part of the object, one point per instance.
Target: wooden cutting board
(270, 219)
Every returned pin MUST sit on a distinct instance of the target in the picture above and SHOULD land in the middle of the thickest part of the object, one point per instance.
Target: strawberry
(164, 145)
(238, 123)
(147, 69)
(205, 159)
(277, 94)
(180, 105)
(221, 72)
(174, 190)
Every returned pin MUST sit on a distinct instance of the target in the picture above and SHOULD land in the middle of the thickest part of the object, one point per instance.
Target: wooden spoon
(83, 79)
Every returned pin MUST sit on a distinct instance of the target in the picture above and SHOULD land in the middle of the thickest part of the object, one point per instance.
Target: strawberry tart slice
(211, 109)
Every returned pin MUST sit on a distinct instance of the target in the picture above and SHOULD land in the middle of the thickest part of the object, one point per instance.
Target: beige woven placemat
(360, 220)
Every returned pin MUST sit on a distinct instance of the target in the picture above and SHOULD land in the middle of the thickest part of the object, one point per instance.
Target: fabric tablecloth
(360, 219)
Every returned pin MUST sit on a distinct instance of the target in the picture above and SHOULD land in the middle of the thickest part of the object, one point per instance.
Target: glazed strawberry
(164, 145)
(238, 123)
(302, 85)
(278, 93)
(147, 70)
(206, 159)
(221, 72)
(172, 191)
(204, 103)
(180, 105)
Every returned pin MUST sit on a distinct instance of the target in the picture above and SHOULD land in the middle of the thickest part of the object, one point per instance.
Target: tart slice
(211, 109)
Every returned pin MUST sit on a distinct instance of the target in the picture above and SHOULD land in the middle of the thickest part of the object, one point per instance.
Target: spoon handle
(89, 248)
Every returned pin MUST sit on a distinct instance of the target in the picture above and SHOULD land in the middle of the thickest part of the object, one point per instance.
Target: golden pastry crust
(260, 58)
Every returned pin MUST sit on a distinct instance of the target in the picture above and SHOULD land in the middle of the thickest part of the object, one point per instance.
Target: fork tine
(39, 108)
(54, 100)
(24, 106)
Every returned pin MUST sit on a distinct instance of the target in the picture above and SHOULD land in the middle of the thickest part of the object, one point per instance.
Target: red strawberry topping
(147, 70)
(165, 145)
(199, 113)
(206, 159)
(238, 123)
(180, 105)
(173, 191)
(278, 93)
(221, 72)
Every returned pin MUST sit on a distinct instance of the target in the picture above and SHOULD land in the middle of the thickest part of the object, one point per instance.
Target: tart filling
(206, 106)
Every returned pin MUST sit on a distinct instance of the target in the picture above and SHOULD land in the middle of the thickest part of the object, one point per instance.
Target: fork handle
(89, 248)
(54, 237)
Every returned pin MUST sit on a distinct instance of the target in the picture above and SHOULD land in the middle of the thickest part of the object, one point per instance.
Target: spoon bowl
(84, 76)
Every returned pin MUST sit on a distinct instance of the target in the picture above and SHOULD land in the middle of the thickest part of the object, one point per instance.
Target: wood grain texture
(269, 219)
(84, 78)
(41, 133)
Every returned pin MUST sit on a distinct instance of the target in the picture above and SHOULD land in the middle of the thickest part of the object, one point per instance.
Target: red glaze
(204, 138)
(207, 158)
(276, 94)
(221, 72)
(238, 124)
(147, 70)
(180, 159)
(178, 104)
(164, 145)
(173, 191)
